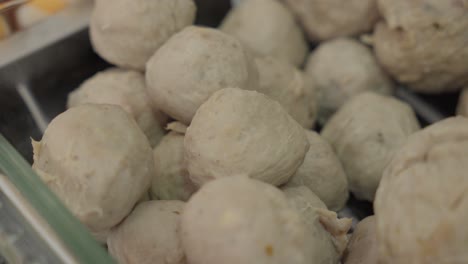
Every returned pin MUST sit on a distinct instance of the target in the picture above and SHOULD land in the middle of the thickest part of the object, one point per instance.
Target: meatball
(194, 64)
(340, 69)
(423, 43)
(365, 133)
(363, 245)
(289, 86)
(325, 247)
(150, 234)
(322, 173)
(171, 180)
(327, 19)
(126, 89)
(267, 28)
(462, 108)
(421, 205)
(97, 161)
(236, 220)
(128, 32)
(243, 132)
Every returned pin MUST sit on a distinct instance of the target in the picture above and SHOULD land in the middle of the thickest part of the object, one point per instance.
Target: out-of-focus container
(35, 64)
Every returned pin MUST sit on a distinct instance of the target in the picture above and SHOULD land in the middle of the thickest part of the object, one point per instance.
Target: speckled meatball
(423, 43)
(268, 28)
(194, 64)
(236, 220)
(289, 86)
(340, 69)
(365, 133)
(243, 132)
(327, 19)
(462, 108)
(126, 89)
(128, 32)
(421, 205)
(150, 234)
(322, 173)
(171, 180)
(363, 245)
(97, 161)
(326, 233)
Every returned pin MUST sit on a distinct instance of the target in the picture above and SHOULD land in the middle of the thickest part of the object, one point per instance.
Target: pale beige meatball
(267, 28)
(363, 245)
(306, 201)
(194, 64)
(322, 173)
(126, 89)
(149, 235)
(325, 247)
(462, 108)
(327, 19)
(236, 220)
(340, 69)
(421, 205)
(127, 32)
(243, 132)
(290, 87)
(171, 180)
(365, 133)
(97, 161)
(423, 43)
(146, 197)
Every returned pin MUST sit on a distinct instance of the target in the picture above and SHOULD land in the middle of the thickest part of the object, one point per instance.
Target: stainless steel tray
(38, 67)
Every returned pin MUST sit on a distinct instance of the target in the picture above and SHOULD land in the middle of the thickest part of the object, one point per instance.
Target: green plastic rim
(67, 228)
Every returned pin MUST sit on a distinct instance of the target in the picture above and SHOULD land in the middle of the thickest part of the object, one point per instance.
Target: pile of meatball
(199, 146)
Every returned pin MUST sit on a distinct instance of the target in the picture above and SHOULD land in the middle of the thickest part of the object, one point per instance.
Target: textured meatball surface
(426, 182)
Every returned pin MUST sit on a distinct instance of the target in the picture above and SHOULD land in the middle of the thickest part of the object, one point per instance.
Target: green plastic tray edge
(73, 234)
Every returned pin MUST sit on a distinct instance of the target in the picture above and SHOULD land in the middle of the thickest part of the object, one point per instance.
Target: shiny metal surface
(30, 53)
(38, 67)
(22, 232)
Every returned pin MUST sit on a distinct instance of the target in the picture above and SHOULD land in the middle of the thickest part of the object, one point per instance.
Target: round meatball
(243, 132)
(268, 29)
(462, 108)
(97, 161)
(146, 197)
(240, 220)
(365, 133)
(290, 87)
(304, 200)
(327, 19)
(126, 89)
(421, 205)
(171, 180)
(423, 43)
(150, 234)
(128, 32)
(321, 243)
(322, 173)
(193, 65)
(363, 245)
(340, 69)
